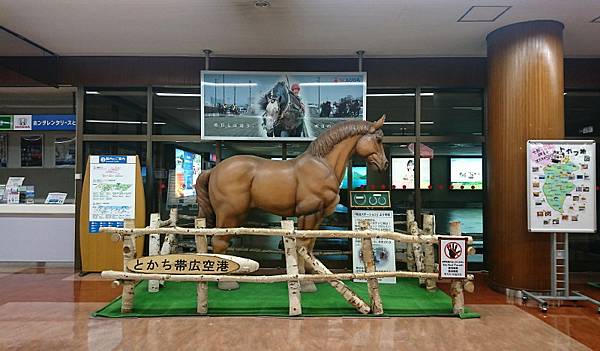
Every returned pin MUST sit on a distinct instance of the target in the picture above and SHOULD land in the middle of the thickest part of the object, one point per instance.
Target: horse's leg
(220, 243)
(309, 222)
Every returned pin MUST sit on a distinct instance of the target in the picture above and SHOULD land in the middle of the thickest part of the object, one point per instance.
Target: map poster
(384, 250)
(112, 191)
(561, 186)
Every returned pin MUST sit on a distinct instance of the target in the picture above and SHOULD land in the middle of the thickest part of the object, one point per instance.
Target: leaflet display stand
(561, 199)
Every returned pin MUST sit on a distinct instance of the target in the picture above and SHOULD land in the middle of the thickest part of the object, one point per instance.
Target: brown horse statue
(306, 187)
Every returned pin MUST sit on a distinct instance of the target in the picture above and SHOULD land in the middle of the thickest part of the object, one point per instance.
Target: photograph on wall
(403, 173)
(466, 173)
(561, 186)
(64, 152)
(3, 150)
(278, 105)
(32, 151)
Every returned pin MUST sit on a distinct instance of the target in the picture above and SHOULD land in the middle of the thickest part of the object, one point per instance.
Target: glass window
(451, 112)
(582, 114)
(115, 111)
(399, 107)
(32, 151)
(456, 189)
(176, 111)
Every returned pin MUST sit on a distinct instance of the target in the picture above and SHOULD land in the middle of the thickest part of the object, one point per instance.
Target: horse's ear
(377, 125)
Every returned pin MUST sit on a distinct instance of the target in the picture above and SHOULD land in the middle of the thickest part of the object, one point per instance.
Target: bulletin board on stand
(113, 191)
(561, 186)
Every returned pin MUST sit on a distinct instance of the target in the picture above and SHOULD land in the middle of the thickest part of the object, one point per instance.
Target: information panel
(453, 257)
(112, 191)
(384, 249)
(561, 186)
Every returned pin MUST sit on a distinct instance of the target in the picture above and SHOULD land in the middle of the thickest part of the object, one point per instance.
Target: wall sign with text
(453, 257)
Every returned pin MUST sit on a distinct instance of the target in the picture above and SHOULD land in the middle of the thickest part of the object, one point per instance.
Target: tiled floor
(49, 309)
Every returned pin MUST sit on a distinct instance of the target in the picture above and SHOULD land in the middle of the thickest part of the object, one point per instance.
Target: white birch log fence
(293, 253)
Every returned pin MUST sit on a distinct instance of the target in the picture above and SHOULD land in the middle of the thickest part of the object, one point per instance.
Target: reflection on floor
(49, 308)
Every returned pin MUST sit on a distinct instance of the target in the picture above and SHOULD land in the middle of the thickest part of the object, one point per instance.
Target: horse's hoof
(308, 287)
(228, 285)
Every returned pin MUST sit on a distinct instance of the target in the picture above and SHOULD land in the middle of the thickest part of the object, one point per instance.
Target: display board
(98, 252)
(112, 191)
(466, 173)
(403, 173)
(278, 105)
(188, 166)
(384, 249)
(561, 186)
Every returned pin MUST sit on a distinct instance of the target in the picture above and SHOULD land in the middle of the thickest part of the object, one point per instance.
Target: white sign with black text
(453, 257)
(384, 250)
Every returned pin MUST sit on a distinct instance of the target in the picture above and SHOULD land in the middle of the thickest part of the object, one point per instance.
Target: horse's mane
(338, 132)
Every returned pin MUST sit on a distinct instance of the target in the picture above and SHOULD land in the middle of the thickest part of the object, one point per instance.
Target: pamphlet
(56, 198)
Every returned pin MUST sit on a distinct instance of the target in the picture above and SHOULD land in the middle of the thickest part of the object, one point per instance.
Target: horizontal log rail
(118, 275)
(119, 233)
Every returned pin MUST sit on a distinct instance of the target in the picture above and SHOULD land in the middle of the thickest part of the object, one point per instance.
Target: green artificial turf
(406, 298)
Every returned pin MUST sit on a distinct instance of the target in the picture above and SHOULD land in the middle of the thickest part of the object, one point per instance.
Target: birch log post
(410, 255)
(168, 246)
(154, 248)
(338, 285)
(202, 288)
(456, 285)
(418, 252)
(127, 296)
(428, 252)
(372, 283)
(291, 262)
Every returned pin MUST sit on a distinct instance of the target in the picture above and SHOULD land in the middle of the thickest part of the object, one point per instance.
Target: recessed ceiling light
(483, 13)
(262, 4)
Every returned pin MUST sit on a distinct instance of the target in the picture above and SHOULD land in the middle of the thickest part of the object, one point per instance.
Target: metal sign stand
(560, 291)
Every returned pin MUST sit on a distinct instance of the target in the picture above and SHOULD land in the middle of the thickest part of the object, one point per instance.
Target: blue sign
(113, 159)
(53, 122)
(94, 226)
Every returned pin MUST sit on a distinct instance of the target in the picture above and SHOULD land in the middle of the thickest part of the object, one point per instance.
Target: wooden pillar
(525, 101)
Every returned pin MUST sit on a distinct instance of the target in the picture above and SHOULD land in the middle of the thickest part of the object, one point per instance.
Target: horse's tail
(205, 209)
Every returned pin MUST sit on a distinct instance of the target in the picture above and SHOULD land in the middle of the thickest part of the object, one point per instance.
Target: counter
(37, 233)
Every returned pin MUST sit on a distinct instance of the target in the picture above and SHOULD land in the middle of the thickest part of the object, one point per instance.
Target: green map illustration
(557, 184)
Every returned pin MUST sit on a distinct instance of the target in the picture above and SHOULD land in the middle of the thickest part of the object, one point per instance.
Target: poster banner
(278, 105)
(112, 191)
(384, 249)
(561, 186)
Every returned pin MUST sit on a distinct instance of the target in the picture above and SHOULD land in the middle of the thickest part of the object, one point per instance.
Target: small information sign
(453, 257)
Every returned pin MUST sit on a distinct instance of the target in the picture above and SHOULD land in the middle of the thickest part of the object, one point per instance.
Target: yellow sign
(188, 264)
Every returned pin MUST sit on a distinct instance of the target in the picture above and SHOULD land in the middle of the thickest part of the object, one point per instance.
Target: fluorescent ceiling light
(179, 94)
(92, 92)
(230, 84)
(427, 94)
(326, 84)
(386, 95)
(408, 123)
(120, 122)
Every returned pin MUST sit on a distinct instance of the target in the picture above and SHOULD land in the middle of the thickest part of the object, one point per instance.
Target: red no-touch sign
(453, 257)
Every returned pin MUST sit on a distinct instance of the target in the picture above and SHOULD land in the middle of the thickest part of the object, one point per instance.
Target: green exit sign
(6, 122)
(370, 199)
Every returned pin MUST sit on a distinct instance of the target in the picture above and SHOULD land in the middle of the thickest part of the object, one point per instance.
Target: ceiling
(383, 28)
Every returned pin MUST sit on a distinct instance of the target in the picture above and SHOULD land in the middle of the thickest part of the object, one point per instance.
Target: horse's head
(370, 147)
(273, 104)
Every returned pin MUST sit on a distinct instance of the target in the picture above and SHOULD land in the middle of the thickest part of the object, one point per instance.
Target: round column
(525, 101)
